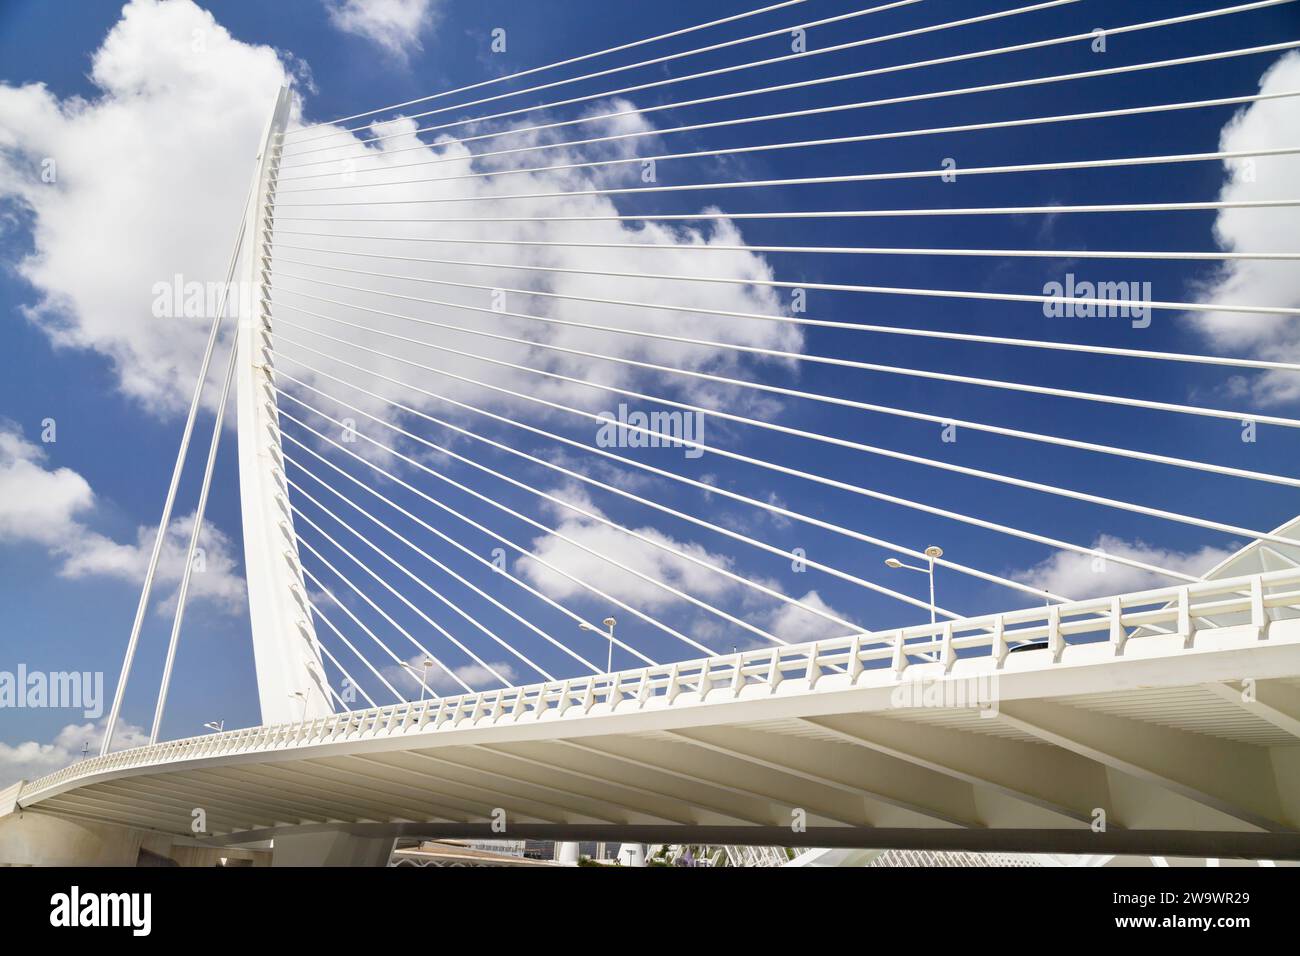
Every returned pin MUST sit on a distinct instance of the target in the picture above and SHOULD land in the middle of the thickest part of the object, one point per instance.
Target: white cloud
(216, 577)
(32, 759)
(794, 624)
(394, 25)
(781, 617)
(1267, 124)
(605, 541)
(48, 507)
(408, 679)
(1082, 576)
(37, 504)
(150, 178)
(610, 472)
(151, 173)
(423, 194)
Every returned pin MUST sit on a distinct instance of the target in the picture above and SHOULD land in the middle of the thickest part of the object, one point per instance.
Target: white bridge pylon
(291, 679)
(440, 310)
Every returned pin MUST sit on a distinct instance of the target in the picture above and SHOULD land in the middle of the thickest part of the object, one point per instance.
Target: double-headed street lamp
(423, 679)
(932, 552)
(609, 623)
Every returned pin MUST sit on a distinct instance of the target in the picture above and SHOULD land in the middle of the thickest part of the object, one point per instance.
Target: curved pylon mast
(291, 681)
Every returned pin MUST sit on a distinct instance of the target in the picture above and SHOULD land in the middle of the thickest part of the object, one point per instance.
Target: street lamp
(932, 552)
(216, 726)
(609, 623)
(424, 681)
(424, 684)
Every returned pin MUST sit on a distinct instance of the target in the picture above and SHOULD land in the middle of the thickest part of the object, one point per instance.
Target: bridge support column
(331, 848)
(40, 839)
(632, 854)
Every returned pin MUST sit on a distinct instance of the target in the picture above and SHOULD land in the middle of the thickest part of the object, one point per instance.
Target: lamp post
(423, 680)
(609, 623)
(932, 552)
(424, 684)
(216, 726)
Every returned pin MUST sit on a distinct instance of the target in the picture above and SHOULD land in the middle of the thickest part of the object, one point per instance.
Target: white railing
(1252, 600)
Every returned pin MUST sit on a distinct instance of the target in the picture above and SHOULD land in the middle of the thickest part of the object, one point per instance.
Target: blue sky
(113, 383)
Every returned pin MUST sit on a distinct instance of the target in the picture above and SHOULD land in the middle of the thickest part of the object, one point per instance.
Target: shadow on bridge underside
(1177, 843)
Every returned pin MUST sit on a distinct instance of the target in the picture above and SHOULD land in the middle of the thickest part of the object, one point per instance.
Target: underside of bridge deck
(1158, 763)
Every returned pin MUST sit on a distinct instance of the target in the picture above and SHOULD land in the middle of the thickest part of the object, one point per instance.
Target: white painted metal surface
(851, 732)
(290, 677)
(1174, 710)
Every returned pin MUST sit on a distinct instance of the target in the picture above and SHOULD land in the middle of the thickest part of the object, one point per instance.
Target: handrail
(1118, 619)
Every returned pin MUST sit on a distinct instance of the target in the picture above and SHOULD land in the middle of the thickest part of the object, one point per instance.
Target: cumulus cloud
(49, 506)
(148, 180)
(566, 549)
(31, 759)
(393, 25)
(150, 177)
(333, 182)
(216, 579)
(796, 625)
(1267, 124)
(37, 504)
(580, 546)
(1081, 576)
(409, 678)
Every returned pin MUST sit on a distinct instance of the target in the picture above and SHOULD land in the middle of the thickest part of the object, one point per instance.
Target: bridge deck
(1183, 716)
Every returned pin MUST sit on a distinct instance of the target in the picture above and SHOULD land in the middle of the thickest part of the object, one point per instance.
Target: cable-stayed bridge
(594, 525)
